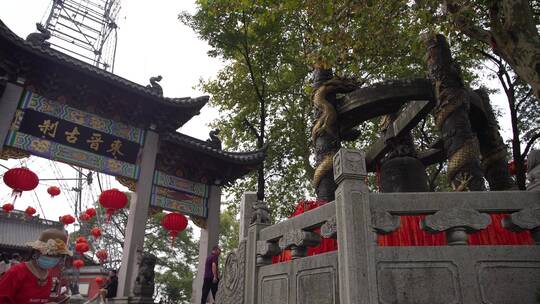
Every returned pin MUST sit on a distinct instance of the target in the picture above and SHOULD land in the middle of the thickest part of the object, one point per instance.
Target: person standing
(211, 274)
(112, 284)
(31, 281)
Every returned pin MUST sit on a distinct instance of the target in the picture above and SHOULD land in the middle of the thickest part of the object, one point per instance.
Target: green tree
(508, 27)
(264, 90)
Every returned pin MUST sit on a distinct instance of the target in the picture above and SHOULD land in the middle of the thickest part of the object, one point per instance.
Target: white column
(138, 212)
(8, 106)
(209, 238)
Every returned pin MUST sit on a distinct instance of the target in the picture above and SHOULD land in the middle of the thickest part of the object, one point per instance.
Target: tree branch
(530, 144)
(251, 128)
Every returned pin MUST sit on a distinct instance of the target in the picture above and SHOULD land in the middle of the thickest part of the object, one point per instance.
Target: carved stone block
(526, 219)
(231, 285)
(502, 282)
(418, 283)
(329, 228)
(298, 241)
(456, 222)
(383, 222)
(265, 251)
(349, 164)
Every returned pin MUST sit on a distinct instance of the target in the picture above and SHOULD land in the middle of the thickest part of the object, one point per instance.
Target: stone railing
(361, 271)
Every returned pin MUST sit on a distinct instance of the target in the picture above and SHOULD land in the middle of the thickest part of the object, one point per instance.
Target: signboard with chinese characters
(177, 194)
(56, 131)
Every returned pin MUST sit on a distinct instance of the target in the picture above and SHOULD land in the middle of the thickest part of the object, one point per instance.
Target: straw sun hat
(51, 242)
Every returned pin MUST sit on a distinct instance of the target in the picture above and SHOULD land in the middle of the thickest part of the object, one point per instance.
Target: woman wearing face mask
(30, 282)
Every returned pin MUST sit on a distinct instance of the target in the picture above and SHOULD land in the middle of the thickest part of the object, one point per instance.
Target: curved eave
(251, 158)
(169, 105)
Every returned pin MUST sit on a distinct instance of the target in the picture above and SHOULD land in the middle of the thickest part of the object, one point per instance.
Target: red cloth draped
(410, 234)
(326, 245)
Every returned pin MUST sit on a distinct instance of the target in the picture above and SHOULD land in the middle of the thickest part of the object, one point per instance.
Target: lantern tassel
(173, 234)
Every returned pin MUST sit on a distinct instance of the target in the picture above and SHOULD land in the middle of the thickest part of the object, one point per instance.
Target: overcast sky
(151, 41)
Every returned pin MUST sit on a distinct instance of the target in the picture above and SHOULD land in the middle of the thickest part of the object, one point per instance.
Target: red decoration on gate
(82, 247)
(8, 207)
(100, 281)
(113, 200)
(91, 212)
(78, 264)
(174, 222)
(102, 254)
(30, 211)
(53, 191)
(67, 219)
(96, 232)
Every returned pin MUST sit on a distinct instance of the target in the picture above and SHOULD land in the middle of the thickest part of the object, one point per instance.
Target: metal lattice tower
(85, 29)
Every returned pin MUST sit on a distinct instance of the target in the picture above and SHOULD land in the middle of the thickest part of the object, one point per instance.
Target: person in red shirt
(30, 282)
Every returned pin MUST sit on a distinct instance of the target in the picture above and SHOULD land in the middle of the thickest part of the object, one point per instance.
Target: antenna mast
(85, 29)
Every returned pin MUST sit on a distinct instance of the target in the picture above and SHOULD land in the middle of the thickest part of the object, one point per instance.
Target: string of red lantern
(102, 255)
(78, 263)
(96, 232)
(8, 207)
(30, 211)
(67, 219)
(112, 200)
(91, 212)
(53, 191)
(20, 180)
(100, 281)
(175, 223)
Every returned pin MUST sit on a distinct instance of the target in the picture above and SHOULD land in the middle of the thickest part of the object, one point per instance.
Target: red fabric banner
(410, 234)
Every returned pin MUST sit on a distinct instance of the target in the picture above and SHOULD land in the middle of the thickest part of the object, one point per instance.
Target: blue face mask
(47, 262)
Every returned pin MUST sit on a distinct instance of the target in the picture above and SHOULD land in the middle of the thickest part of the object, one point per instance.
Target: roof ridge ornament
(214, 141)
(40, 37)
(154, 85)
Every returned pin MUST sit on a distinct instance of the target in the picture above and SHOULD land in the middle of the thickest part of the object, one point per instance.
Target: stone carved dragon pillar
(452, 117)
(325, 133)
(492, 147)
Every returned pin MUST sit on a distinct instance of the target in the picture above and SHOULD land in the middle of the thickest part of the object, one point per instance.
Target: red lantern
(8, 208)
(102, 255)
(91, 212)
(21, 179)
(53, 191)
(81, 239)
(113, 200)
(78, 264)
(30, 211)
(96, 232)
(512, 168)
(100, 280)
(67, 219)
(84, 217)
(174, 222)
(82, 247)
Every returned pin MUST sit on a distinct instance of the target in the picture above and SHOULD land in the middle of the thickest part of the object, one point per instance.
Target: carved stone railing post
(356, 253)
(526, 219)
(259, 220)
(265, 251)
(457, 222)
(298, 241)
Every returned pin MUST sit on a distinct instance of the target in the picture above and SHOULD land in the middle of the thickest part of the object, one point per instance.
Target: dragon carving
(326, 125)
